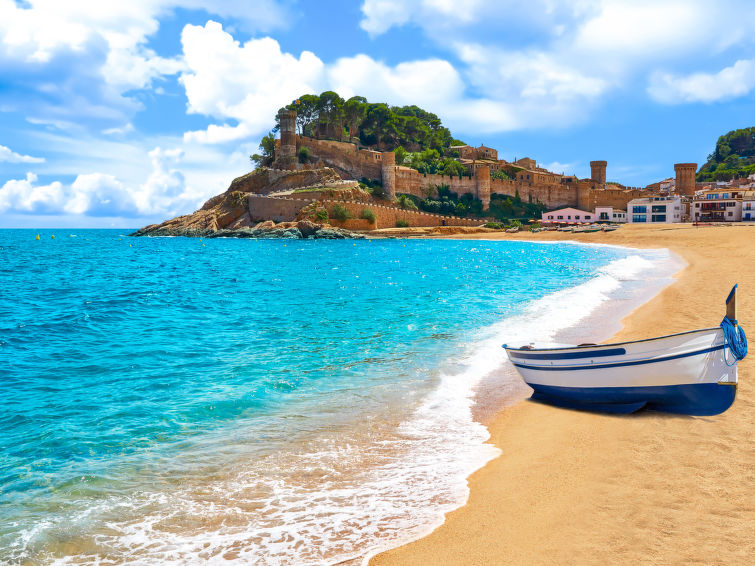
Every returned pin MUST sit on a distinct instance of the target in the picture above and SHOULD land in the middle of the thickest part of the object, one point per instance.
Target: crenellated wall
(552, 190)
(281, 209)
(351, 162)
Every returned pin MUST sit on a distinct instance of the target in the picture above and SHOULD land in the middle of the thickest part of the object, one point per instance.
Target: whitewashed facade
(655, 210)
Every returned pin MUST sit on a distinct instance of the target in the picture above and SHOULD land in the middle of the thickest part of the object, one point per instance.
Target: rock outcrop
(228, 214)
(299, 230)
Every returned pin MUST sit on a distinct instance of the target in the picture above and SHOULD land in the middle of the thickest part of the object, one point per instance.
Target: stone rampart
(616, 198)
(285, 209)
(387, 216)
(350, 161)
(263, 208)
(552, 190)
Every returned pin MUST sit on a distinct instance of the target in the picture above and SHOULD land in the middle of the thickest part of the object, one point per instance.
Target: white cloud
(126, 129)
(730, 82)
(429, 82)
(25, 196)
(246, 82)
(164, 192)
(8, 156)
(557, 58)
(86, 56)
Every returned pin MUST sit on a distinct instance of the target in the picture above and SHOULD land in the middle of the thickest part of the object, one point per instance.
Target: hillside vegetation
(733, 157)
(373, 124)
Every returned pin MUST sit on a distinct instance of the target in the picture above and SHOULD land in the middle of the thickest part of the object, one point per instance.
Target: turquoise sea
(174, 400)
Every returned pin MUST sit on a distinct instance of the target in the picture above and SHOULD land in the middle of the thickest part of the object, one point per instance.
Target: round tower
(482, 177)
(389, 174)
(685, 178)
(286, 159)
(598, 171)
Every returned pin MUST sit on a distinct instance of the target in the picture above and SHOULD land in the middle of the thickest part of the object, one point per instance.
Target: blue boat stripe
(570, 355)
(620, 364)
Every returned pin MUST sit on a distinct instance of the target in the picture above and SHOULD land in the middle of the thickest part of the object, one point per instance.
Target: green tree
(267, 147)
(306, 112)
(354, 111)
(330, 109)
(401, 154)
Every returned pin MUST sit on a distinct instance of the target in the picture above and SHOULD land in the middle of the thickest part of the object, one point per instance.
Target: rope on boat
(735, 339)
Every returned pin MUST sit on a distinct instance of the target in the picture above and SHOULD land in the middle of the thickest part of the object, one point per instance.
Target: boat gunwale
(612, 344)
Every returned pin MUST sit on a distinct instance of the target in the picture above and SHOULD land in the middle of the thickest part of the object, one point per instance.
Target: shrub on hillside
(369, 215)
(340, 213)
(303, 154)
(402, 223)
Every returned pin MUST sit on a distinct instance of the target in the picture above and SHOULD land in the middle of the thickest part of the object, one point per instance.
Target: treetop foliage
(374, 125)
(733, 157)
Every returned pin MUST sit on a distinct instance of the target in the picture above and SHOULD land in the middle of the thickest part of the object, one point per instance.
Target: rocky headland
(228, 215)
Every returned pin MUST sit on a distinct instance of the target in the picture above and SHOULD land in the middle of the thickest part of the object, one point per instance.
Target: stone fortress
(308, 196)
(530, 181)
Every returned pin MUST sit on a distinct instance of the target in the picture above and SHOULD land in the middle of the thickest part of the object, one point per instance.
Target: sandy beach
(579, 488)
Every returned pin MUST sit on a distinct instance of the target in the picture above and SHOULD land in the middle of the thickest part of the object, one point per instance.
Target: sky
(122, 114)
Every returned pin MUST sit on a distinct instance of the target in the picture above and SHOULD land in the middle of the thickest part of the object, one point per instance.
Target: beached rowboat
(693, 373)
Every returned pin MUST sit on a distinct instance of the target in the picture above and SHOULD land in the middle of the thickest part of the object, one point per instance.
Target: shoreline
(574, 487)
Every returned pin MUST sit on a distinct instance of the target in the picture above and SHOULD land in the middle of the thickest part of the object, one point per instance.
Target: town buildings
(575, 215)
(656, 209)
(726, 204)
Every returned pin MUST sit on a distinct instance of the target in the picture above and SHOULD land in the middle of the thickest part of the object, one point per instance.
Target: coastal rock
(228, 215)
(265, 180)
(307, 228)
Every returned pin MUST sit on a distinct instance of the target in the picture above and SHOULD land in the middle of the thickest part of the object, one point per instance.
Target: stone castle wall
(554, 191)
(282, 209)
(350, 161)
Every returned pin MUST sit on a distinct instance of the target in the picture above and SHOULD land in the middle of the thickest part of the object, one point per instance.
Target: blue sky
(124, 114)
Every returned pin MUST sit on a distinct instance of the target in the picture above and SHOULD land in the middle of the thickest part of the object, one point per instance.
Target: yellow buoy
(37, 238)
(53, 236)
(130, 246)
(70, 235)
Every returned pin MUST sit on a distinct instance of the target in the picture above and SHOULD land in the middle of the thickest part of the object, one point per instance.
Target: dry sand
(579, 488)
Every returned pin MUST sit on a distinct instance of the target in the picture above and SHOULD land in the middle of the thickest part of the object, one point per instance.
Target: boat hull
(686, 373)
(699, 399)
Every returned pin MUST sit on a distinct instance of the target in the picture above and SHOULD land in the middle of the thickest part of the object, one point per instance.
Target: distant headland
(344, 166)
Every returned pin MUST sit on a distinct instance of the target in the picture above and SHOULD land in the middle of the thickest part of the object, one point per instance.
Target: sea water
(179, 400)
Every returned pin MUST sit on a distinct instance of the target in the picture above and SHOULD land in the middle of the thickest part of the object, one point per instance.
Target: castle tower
(389, 174)
(685, 178)
(482, 176)
(287, 155)
(598, 171)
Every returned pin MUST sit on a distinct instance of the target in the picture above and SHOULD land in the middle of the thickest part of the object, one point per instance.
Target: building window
(576, 217)
(659, 218)
(659, 208)
(560, 217)
(731, 213)
(697, 205)
(639, 210)
(639, 218)
(709, 196)
(725, 195)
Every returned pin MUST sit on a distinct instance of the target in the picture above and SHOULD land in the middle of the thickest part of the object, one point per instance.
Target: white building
(655, 210)
(610, 214)
(748, 206)
(569, 215)
(730, 204)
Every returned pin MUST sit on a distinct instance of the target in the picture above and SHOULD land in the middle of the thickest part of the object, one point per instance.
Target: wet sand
(580, 488)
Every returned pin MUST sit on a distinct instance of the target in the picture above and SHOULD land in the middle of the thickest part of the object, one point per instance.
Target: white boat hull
(686, 373)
